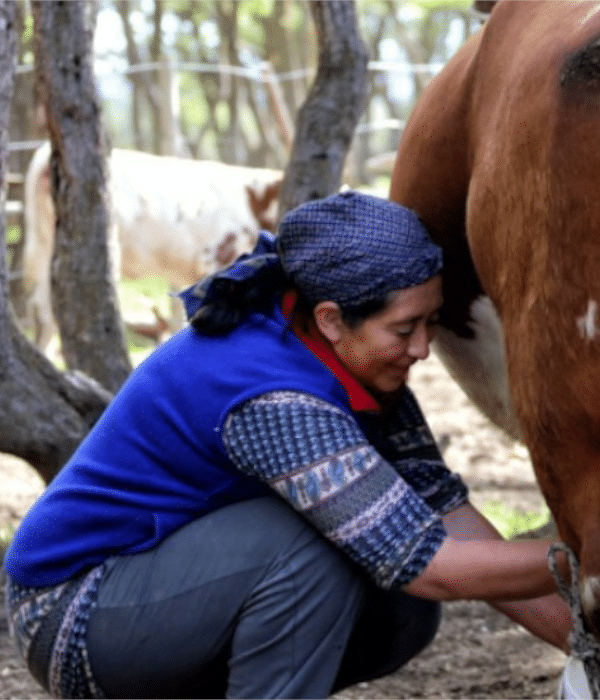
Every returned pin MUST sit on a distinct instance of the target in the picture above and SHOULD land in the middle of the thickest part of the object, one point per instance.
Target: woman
(262, 510)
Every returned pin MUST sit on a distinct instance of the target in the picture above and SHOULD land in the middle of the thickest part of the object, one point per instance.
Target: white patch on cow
(589, 590)
(587, 324)
(479, 366)
(169, 217)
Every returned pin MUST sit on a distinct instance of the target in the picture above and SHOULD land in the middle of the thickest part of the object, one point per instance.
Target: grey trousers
(248, 602)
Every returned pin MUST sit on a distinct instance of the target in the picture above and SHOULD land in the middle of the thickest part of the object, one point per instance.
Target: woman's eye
(405, 331)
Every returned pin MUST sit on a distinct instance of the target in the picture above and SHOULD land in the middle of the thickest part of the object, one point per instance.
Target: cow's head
(264, 204)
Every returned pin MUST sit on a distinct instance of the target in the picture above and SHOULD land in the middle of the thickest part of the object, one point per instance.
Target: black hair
(232, 301)
(353, 316)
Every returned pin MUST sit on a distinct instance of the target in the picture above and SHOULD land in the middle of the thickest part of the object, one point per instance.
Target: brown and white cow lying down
(501, 159)
(171, 217)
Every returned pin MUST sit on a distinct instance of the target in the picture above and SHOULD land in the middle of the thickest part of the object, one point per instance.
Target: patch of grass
(13, 234)
(7, 531)
(511, 522)
(138, 348)
(136, 299)
(138, 296)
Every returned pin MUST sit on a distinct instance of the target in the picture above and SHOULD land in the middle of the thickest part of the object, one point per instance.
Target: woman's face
(379, 351)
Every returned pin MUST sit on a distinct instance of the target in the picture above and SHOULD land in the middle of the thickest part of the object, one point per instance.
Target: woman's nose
(418, 346)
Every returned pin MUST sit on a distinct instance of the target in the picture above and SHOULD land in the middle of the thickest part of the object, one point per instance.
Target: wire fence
(261, 72)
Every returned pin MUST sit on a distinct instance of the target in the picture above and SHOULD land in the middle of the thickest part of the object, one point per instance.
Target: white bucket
(573, 684)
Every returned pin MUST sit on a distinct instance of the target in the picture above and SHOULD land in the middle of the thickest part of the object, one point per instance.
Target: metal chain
(584, 646)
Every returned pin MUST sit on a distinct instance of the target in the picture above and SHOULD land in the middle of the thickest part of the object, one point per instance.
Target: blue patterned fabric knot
(249, 265)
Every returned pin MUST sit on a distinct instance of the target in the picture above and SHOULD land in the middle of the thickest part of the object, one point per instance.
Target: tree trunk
(23, 127)
(83, 296)
(44, 415)
(326, 122)
(141, 82)
(156, 54)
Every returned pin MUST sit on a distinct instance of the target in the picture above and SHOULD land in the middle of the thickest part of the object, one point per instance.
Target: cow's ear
(328, 317)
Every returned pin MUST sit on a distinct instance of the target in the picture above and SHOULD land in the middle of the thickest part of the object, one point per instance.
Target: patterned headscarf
(349, 248)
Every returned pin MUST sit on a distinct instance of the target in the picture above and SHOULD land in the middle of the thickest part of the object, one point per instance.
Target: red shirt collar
(360, 399)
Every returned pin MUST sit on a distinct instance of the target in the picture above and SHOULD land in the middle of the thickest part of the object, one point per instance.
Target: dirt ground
(477, 653)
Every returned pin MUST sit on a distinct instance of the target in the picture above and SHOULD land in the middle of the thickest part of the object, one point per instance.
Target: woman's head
(371, 275)
(351, 249)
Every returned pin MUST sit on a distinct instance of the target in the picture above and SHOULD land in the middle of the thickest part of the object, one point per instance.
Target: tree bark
(326, 121)
(83, 296)
(44, 414)
(141, 83)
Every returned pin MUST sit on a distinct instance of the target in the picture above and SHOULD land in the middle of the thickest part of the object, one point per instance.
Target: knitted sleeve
(316, 457)
(407, 443)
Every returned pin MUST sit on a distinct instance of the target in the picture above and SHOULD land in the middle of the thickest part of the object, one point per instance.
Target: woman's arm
(485, 570)
(316, 457)
(475, 563)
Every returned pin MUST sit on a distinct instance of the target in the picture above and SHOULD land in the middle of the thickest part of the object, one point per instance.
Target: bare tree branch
(326, 122)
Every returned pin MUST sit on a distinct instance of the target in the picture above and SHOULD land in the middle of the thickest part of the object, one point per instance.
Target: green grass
(510, 522)
(136, 299)
(137, 296)
(137, 349)
(7, 530)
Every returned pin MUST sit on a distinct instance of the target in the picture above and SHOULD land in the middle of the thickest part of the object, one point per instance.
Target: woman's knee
(310, 568)
(302, 612)
(280, 573)
(427, 615)
(392, 628)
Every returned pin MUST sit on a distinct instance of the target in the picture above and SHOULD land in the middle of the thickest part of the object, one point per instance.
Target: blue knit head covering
(350, 248)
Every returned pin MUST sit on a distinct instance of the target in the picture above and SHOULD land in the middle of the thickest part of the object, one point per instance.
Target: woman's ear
(328, 317)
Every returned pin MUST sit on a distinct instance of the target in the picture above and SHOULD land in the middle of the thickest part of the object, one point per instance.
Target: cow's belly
(478, 364)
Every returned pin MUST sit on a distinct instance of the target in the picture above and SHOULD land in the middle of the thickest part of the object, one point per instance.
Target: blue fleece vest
(155, 460)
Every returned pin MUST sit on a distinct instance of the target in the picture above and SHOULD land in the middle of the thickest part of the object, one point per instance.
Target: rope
(584, 646)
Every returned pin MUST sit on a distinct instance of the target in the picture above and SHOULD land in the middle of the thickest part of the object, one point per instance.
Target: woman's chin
(390, 387)
(395, 381)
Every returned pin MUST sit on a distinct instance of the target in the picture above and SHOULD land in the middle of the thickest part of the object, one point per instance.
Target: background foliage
(223, 79)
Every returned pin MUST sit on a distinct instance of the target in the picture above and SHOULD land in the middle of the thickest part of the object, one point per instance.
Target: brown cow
(501, 159)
